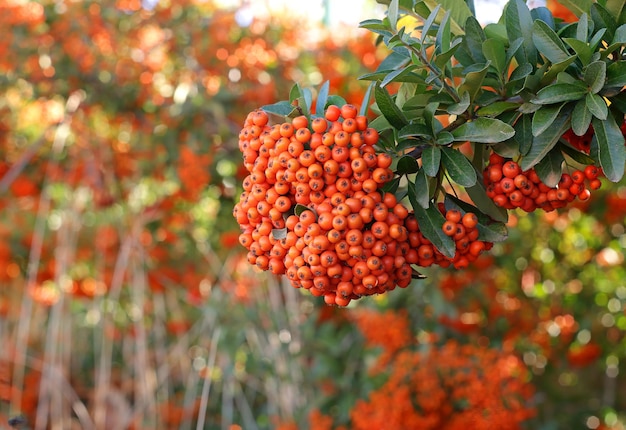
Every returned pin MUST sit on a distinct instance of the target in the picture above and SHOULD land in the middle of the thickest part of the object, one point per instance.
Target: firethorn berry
(352, 239)
(511, 188)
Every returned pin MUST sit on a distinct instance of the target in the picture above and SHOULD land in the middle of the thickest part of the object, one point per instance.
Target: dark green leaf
(543, 143)
(543, 118)
(616, 74)
(557, 93)
(474, 38)
(548, 42)
(430, 222)
(415, 130)
(445, 138)
(520, 72)
(392, 186)
(389, 109)
(459, 167)
(555, 70)
(582, 49)
(603, 19)
(473, 82)
(574, 154)
(335, 100)
(597, 106)
(299, 209)
(431, 159)
(581, 118)
(610, 146)
(620, 35)
(460, 107)
(550, 168)
(497, 108)
(483, 130)
(524, 134)
(394, 61)
(407, 165)
(423, 190)
(595, 75)
(615, 7)
(479, 196)
(519, 23)
(322, 97)
(495, 53)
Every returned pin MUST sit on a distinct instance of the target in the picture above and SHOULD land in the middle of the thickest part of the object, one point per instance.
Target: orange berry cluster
(509, 187)
(312, 209)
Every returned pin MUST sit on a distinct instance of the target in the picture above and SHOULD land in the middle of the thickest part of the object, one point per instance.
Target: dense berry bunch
(509, 187)
(312, 209)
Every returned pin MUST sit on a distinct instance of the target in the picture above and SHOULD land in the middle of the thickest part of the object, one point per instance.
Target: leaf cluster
(513, 87)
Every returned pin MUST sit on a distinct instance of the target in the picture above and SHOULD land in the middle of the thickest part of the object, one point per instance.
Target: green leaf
(430, 221)
(415, 130)
(423, 190)
(602, 19)
(488, 229)
(497, 108)
(524, 134)
(582, 28)
(556, 69)
(373, 24)
(620, 35)
(431, 159)
(550, 168)
(322, 97)
(483, 130)
(616, 74)
(282, 108)
(473, 82)
(474, 38)
(581, 118)
(610, 146)
(407, 165)
(458, 11)
(582, 49)
(595, 75)
(388, 108)
(543, 143)
(429, 22)
(443, 34)
(445, 138)
(615, 7)
(543, 118)
(399, 75)
(557, 93)
(495, 53)
(548, 42)
(597, 106)
(392, 186)
(519, 23)
(479, 196)
(365, 104)
(459, 167)
(575, 154)
(335, 100)
(461, 106)
(393, 14)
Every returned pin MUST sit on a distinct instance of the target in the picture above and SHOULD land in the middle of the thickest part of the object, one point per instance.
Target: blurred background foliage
(126, 300)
